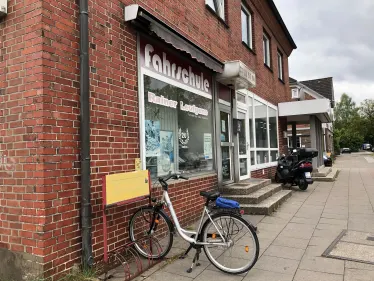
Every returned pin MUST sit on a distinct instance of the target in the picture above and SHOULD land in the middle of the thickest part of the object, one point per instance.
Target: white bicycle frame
(183, 232)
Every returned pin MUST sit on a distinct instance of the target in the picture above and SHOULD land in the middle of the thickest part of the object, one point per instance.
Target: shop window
(262, 157)
(261, 125)
(246, 18)
(298, 141)
(218, 6)
(178, 129)
(273, 128)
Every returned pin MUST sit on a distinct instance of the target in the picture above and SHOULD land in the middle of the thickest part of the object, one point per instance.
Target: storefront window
(250, 114)
(273, 128)
(262, 157)
(178, 129)
(261, 124)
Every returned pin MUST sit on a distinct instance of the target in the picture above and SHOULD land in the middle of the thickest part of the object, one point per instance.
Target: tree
(367, 113)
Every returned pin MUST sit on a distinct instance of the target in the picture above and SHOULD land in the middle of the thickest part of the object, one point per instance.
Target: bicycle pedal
(182, 257)
(189, 270)
(198, 264)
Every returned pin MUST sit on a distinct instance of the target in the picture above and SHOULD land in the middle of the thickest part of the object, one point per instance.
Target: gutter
(86, 213)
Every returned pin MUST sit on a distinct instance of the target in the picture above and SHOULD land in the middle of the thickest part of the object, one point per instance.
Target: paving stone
(322, 226)
(307, 275)
(284, 252)
(322, 265)
(334, 221)
(359, 265)
(217, 276)
(312, 221)
(291, 242)
(358, 275)
(163, 275)
(315, 251)
(273, 219)
(276, 227)
(275, 264)
(263, 275)
(179, 267)
(298, 231)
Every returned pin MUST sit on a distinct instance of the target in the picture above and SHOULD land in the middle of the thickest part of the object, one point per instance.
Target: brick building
(182, 85)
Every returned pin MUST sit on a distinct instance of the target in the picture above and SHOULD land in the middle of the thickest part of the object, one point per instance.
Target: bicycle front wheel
(233, 243)
(151, 230)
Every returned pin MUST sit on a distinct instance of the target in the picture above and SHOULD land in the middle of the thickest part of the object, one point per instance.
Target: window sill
(263, 166)
(280, 80)
(249, 48)
(217, 16)
(268, 67)
(191, 177)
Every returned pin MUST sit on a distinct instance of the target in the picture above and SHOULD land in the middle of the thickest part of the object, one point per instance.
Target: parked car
(346, 150)
(327, 160)
(367, 146)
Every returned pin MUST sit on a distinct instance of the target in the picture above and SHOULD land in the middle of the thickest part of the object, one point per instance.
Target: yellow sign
(138, 164)
(126, 186)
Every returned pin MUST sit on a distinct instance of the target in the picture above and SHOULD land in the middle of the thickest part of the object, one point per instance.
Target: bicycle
(223, 232)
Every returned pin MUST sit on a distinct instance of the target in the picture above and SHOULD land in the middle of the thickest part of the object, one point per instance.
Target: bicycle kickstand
(195, 260)
(188, 250)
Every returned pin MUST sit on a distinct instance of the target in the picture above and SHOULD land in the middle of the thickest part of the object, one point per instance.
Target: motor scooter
(296, 168)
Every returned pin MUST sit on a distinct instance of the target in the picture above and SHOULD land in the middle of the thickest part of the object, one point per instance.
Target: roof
(281, 22)
(292, 80)
(323, 86)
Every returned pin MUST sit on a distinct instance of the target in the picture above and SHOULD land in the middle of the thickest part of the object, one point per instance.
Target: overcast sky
(334, 38)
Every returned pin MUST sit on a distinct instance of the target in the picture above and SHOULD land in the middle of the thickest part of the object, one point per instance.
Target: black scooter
(297, 168)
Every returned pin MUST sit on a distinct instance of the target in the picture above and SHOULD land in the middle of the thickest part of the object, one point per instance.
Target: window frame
(215, 8)
(254, 149)
(249, 15)
(266, 49)
(280, 65)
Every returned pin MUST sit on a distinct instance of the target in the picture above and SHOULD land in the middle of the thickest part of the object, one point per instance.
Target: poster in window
(208, 151)
(166, 158)
(152, 138)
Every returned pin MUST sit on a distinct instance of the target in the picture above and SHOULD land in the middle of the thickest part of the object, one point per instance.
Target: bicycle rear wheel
(152, 232)
(242, 251)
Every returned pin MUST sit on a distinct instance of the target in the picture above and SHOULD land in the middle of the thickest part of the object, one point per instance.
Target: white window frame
(280, 65)
(254, 149)
(289, 141)
(266, 47)
(249, 27)
(218, 7)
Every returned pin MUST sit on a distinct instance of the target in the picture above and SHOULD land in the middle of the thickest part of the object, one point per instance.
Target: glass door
(244, 151)
(226, 146)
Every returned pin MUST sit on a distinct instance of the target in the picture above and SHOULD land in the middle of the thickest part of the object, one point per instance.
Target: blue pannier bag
(226, 203)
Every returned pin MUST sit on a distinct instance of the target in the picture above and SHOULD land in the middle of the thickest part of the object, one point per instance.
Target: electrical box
(3, 8)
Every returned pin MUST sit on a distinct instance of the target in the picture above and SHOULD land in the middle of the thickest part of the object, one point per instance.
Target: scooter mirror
(294, 150)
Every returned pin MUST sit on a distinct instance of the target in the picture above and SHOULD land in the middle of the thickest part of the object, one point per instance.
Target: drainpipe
(86, 223)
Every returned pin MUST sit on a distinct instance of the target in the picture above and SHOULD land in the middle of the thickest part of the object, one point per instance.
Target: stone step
(328, 178)
(245, 187)
(323, 172)
(257, 196)
(267, 206)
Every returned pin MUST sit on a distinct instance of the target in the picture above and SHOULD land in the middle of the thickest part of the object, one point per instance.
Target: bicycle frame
(183, 232)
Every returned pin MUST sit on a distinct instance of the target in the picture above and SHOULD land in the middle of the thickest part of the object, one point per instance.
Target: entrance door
(226, 146)
(244, 152)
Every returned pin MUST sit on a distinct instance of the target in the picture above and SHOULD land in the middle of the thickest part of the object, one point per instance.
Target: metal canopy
(135, 13)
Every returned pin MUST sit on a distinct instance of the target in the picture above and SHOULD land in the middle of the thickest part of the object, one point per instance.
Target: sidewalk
(293, 239)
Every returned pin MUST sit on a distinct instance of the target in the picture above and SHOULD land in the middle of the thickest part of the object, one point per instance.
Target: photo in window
(178, 129)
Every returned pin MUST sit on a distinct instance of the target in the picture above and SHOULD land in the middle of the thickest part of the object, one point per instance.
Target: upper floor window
(266, 43)
(218, 6)
(246, 27)
(280, 65)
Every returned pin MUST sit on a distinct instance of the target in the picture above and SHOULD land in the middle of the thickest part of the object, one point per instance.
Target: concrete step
(245, 187)
(257, 196)
(323, 172)
(328, 178)
(267, 206)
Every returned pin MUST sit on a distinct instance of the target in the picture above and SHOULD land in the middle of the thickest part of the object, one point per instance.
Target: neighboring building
(317, 89)
(177, 72)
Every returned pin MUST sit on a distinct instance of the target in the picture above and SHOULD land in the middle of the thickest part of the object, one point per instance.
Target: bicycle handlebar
(173, 176)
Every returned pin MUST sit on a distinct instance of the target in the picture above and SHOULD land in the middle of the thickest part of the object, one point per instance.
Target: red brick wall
(267, 173)
(39, 113)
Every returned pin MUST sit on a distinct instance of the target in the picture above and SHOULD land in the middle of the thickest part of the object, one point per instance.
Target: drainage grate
(352, 245)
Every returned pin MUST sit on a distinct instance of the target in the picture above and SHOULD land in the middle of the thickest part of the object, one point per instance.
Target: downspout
(86, 223)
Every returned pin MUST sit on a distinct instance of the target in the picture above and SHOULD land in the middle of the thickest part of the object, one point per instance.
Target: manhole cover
(352, 245)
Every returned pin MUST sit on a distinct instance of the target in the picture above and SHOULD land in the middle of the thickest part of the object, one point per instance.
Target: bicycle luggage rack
(120, 189)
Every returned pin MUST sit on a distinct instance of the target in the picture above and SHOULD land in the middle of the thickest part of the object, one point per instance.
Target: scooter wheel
(303, 185)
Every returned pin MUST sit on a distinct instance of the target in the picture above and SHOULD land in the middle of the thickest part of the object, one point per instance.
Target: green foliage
(353, 125)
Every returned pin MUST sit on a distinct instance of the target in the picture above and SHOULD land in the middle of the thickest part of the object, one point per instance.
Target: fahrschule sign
(159, 58)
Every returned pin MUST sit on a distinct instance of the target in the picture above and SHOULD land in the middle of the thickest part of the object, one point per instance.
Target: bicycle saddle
(211, 195)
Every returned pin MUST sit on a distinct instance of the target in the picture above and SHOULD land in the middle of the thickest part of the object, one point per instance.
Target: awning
(135, 13)
(237, 75)
(300, 111)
